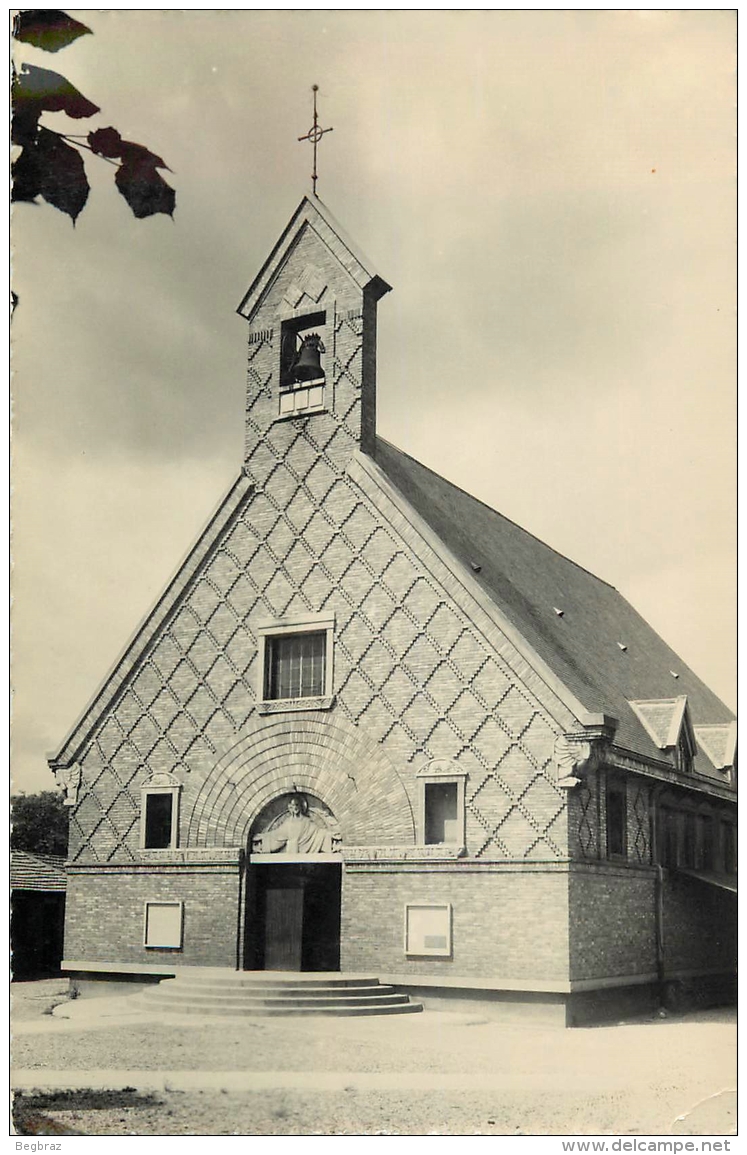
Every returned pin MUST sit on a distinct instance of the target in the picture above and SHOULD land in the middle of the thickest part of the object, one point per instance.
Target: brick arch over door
(328, 758)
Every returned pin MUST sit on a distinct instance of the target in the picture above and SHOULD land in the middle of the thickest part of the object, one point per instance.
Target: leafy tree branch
(50, 163)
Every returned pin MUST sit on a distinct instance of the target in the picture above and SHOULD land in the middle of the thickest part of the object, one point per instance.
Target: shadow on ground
(35, 1114)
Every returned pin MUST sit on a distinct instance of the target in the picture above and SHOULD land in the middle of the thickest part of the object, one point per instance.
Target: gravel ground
(632, 1078)
(32, 999)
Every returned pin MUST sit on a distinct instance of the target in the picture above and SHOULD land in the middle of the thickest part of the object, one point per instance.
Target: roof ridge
(497, 512)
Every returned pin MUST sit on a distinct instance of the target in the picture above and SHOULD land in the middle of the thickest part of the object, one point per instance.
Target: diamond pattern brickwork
(582, 820)
(639, 822)
(410, 670)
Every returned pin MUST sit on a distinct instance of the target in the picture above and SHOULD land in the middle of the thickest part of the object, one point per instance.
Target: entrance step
(244, 993)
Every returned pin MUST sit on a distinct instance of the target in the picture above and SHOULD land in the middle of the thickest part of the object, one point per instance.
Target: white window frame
(442, 771)
(413, 951)
(299, 624)
(158, 786)
(163, 945)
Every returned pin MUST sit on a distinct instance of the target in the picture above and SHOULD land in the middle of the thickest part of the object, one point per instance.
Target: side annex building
(373, 725)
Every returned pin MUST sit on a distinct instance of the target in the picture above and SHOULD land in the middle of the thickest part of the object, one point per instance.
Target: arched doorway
(293, 892)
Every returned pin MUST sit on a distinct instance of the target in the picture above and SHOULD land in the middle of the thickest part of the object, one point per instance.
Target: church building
(374, 726)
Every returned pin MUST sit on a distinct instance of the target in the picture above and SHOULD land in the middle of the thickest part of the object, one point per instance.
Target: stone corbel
(576, 756)
(67, 779)
(571, 758)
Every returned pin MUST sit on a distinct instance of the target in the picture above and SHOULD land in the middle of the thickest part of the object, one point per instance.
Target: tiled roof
(597, 645)
(37, 871)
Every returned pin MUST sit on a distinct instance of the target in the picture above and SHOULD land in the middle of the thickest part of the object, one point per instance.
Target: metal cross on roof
(315, 134)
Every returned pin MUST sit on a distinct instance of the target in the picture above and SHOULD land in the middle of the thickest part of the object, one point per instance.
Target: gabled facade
(372, 724)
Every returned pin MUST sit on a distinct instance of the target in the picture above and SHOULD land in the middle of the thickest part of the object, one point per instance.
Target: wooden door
(283, 928)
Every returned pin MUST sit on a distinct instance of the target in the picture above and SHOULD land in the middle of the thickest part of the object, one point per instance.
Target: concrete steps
(245, 993)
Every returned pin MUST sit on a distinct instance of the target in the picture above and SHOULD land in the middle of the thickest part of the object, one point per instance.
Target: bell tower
(312, 345)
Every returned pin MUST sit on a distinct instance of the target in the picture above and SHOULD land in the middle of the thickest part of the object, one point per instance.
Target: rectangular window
(669, 846)
(705, 842)
(295, 666)
(159, 817)
(616, 819)
(729, 842)
(441, 813)
(689, 842)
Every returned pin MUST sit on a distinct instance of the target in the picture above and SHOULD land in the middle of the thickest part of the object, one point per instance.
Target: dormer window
(683, 753)
(667, 722)
(302, 360)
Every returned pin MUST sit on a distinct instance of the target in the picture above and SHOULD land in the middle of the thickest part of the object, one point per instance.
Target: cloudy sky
(552, 197)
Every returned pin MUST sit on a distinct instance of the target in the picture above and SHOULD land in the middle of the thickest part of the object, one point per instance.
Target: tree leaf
(47, 28)
(137, 154)
(23, 125)
(25, 176)
(63, 181)
(144, 189)
(106, 142)
(37, 90)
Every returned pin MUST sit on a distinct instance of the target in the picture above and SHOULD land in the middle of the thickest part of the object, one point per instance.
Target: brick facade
(507, 924)
(611, 912)
(421, 672)
(699, 928)
(106, 908)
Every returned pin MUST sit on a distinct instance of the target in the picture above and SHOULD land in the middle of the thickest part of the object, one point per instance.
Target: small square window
(295, 666)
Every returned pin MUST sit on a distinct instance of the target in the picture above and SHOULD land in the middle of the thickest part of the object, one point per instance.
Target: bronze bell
(308, 363)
